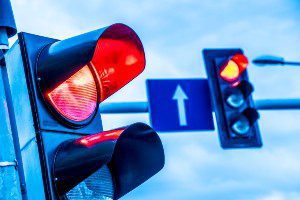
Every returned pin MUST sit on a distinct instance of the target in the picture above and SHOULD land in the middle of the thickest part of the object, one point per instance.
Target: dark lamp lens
(241, 126)
(235, 99)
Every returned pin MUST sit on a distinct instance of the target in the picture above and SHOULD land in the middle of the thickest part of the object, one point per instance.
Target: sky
(173, 34)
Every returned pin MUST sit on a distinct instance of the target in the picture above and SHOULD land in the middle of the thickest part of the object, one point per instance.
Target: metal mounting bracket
(8, 164)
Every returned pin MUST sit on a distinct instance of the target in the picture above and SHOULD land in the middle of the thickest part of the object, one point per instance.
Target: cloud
(277, 195)
(174, 34)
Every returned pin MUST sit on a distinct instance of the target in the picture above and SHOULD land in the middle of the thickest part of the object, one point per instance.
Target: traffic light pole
(10, 165)
(9, 176)
(142, 107)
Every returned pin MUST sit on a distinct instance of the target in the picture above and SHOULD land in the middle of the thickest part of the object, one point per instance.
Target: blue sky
(174, 34)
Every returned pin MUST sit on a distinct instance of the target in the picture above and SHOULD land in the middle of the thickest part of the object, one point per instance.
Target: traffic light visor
(92, 140)
(118, 58)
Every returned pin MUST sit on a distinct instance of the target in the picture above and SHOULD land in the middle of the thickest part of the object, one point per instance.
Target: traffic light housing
(232, 100)
(122, 151)
(60, 85)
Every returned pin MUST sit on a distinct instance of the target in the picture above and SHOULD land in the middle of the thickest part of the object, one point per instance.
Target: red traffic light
(234, 67)
(76, 74)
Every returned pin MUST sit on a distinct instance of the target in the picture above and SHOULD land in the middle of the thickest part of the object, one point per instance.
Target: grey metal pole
(9, 176)
(142, 107)
(10, 187)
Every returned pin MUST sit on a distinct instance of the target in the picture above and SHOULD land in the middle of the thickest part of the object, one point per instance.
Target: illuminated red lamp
(75, 98)
(234, 67)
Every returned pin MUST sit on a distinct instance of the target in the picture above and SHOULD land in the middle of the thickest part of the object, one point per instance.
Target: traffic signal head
(232, 68)
(65, 82)
(231, 94)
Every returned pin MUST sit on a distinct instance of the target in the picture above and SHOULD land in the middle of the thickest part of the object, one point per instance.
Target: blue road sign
(180, 105)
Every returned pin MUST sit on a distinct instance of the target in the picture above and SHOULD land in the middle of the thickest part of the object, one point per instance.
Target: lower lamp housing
(131, 155)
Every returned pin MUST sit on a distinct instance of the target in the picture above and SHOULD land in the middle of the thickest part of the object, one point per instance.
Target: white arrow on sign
(180, 97)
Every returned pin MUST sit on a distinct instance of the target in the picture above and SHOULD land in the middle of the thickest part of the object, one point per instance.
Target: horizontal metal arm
(124, 107)
(142, 107)
(277, 104)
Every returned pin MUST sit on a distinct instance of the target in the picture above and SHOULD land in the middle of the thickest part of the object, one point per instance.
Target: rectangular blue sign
(179, 105)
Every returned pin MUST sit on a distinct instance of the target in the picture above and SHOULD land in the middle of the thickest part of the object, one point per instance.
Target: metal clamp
(7, 163)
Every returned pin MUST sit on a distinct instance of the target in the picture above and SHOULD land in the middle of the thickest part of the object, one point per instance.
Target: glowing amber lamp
(234, 67)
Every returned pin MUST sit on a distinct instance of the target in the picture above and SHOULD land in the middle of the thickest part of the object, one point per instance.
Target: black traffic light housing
(132, 157)
(232, 100)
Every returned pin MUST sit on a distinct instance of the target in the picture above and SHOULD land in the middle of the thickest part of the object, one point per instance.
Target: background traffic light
(57, 88)
(232, 100)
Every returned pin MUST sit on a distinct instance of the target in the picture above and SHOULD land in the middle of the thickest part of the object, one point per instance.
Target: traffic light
(56, 88)
(232, 100)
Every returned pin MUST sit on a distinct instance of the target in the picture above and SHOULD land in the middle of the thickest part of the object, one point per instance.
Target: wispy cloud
(174, 34)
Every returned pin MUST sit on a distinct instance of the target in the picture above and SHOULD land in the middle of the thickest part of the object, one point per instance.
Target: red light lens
(234, 67)
(118, 58)
(91, 140)
(75, 98)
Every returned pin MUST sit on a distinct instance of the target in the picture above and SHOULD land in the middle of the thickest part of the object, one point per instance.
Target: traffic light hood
(133, 155)
(112, 51)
